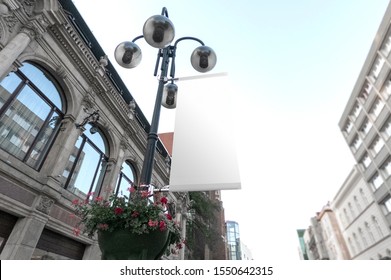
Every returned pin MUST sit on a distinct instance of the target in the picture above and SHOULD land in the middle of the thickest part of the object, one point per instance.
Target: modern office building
(68, 127)
(302, 248)
(233, 240)
(366, 119)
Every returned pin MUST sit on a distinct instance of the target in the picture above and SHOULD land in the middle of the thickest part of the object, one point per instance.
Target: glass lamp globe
(158, 31)
(128, 54)
(203, 59)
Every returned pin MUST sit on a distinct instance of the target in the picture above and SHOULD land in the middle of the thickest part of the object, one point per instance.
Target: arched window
(87, 164)
(126, 179)
(31, 110)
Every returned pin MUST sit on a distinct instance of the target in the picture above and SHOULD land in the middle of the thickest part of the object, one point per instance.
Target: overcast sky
(292, 66)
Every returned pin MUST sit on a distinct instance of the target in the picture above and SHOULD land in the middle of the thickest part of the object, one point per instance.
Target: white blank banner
(204, 151)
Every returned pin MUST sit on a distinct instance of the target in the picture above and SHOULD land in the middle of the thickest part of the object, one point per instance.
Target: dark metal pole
(146, 172)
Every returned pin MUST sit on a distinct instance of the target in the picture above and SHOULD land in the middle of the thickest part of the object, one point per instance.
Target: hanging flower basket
(129, 227)
(124, 245)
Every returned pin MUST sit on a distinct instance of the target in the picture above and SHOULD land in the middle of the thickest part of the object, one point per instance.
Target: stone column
(13, 49)
(24, 238)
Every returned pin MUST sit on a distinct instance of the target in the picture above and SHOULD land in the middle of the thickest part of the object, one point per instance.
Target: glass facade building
(233, 241)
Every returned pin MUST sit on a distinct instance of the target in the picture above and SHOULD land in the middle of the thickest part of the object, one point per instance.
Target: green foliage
(136, 214)
(202, 229)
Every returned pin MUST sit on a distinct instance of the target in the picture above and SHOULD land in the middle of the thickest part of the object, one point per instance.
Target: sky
(292, 66)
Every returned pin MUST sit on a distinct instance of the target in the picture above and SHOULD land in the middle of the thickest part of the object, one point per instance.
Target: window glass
(125, 179)
(41, 80)
(7, 86)
(30, 114)
(86, 164)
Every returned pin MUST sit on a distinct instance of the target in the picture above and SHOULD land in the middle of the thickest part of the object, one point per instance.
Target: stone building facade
(68, 127)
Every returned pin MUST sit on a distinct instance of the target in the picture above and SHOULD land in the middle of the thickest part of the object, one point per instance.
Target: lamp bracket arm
(164, 12)
(188, 38)
(138, 37)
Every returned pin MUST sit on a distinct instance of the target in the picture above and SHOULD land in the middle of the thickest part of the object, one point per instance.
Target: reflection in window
(30, 114)
(87, 164)
(125, 180)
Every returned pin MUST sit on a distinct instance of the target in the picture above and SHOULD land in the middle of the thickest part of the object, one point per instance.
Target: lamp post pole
(146, 171)
(159, 32)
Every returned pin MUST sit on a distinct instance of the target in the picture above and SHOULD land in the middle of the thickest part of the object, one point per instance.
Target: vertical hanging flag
(204, 152)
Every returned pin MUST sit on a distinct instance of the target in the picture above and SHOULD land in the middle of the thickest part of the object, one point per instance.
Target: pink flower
(135, 214)
(152, 223)
(164, 200)
(118, 210)
(169, 217)
(75, 202)
(99, 199)
(162, 225)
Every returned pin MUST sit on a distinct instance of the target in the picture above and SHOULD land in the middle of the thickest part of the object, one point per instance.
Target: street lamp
(159, 32)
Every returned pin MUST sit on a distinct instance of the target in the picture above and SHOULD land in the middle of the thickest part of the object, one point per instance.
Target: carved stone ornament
(45, 204)
(28, 6)
(10, 22)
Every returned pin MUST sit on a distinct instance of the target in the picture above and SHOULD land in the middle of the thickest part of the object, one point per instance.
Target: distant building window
(365, 161)
(377, 145)
(386, 92)
(376, 67)
(363, 238)
(370, 233)
(377, 226)
(356, 143)
(386, 129)
(386, 205)
(376, 181)
(364, 197)
(366, 127)
(386, 168)
(356, 110)
(357, 202)
(376, 108)
(30, 114)
(348, 126)
(366, 90)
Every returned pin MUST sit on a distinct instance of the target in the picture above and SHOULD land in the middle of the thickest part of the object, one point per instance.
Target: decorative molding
(45, 204)
(31, 31)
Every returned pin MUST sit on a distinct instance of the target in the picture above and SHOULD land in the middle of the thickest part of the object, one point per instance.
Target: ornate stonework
(45, 204)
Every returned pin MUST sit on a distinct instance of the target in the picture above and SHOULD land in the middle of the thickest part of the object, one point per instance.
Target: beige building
(332, 236)
(361, 221)
(68, 127)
